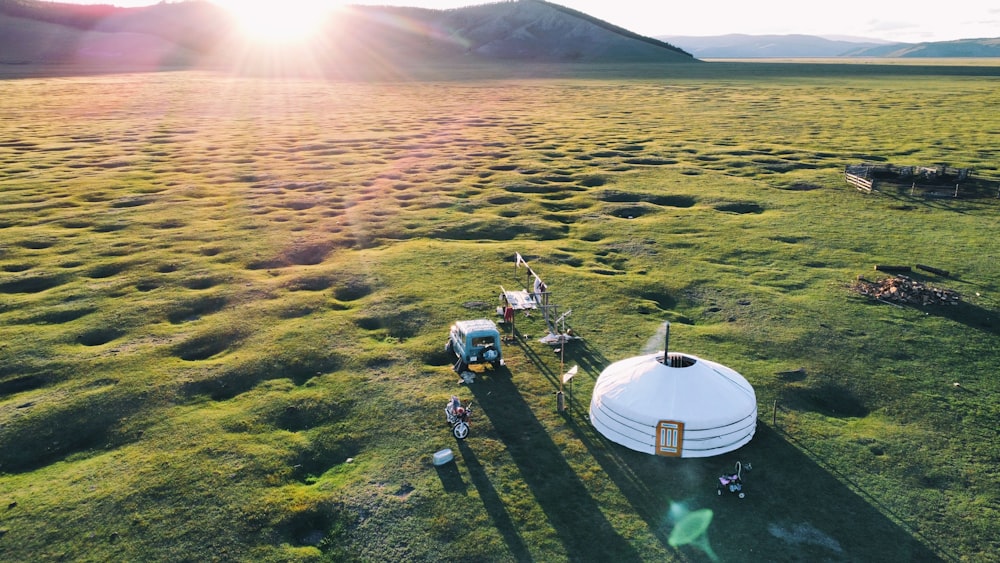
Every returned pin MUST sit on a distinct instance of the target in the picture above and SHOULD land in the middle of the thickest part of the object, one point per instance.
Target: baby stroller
(458, 417)
(733, 482)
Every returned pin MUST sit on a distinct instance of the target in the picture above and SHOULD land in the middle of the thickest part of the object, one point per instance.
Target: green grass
(223, 304)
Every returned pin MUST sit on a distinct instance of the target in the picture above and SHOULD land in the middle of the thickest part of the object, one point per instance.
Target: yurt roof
(703, 393)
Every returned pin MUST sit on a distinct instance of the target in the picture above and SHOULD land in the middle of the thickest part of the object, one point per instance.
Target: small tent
(674, 404)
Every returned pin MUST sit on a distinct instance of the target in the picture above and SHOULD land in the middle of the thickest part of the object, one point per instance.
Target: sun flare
(280, 21)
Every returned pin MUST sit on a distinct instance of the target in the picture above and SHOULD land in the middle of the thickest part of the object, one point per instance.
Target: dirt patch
(192, 310)
(353, 289)
(534, 189)
(111, 227)
(296, 311)
(99, 336)
(204, 346)
(504, 199)
(37, 244)
(308, 414)
(498, 229)
(650, 161)
(310, 283)
(401, 325)
(300, 254)
(132, 202)
(105, 271)
(60, 316)
(147, 285)
(828, 399)
(22, 384)
(593, 181)
(741, 208)
(33, 284)
(169, 224)
(631, 211)
(17, 268)
(615, 196)
(201, 282)
(802, 187)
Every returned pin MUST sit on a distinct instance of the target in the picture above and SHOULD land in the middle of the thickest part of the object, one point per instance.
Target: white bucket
(444, 456)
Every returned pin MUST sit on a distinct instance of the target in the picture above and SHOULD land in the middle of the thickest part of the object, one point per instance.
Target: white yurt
(674, 404)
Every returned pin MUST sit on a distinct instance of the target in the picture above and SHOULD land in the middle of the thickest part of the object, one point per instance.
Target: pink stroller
(733, 483)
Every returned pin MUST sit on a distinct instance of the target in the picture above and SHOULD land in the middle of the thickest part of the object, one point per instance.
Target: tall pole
(560, 401)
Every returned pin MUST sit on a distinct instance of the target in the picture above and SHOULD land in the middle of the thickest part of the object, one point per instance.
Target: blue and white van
(475, 342)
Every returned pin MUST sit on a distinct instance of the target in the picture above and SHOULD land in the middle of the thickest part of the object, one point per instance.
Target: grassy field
(224, 300)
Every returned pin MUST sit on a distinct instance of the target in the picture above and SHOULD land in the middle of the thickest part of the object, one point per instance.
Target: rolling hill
(740, 46)
(196, 33)
(959, 48)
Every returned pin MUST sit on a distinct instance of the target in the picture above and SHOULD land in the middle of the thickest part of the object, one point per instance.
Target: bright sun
(280, 21)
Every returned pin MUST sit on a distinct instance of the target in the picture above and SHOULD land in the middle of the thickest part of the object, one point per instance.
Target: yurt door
(669, 438)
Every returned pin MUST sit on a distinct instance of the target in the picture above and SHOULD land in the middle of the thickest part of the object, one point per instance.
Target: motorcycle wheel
(460, 430)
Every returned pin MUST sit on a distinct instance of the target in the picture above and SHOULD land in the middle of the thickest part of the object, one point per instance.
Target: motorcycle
(458, 416)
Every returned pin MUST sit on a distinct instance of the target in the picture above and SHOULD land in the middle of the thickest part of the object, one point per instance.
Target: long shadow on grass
(909, 548)
(578, 352)
(493, 504)
(590, 360)
(968, 314)
(795, 509)
(585, 533)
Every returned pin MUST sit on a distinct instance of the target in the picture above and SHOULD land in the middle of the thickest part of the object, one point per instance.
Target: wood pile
(902, 289)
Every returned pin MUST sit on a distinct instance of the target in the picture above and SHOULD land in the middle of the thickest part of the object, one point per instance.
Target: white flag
(518, 260)
(569, 374)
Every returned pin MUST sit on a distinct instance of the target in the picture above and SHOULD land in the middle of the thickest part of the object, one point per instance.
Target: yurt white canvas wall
(685, 406)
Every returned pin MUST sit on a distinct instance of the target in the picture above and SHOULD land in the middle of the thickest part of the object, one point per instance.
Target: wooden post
(562, 372)
(774, 413)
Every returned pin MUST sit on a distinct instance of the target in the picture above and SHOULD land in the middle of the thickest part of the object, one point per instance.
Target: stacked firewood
(902, 289)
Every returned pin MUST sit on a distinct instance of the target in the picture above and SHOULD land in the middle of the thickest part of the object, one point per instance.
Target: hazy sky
(892, 20)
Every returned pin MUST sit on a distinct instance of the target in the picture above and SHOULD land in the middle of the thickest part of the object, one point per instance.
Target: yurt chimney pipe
(666, 342)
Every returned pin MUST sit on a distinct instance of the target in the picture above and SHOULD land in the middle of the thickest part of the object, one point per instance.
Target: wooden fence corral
(928, 181)
(860, 182)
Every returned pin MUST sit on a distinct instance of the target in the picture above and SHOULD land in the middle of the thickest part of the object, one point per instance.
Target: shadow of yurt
(795, 507)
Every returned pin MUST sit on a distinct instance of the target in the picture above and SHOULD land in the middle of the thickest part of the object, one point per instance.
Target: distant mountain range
(738, 46)
(196, 33)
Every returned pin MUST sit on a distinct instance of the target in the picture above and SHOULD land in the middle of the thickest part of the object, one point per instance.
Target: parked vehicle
(475, 342)
(458, 416)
